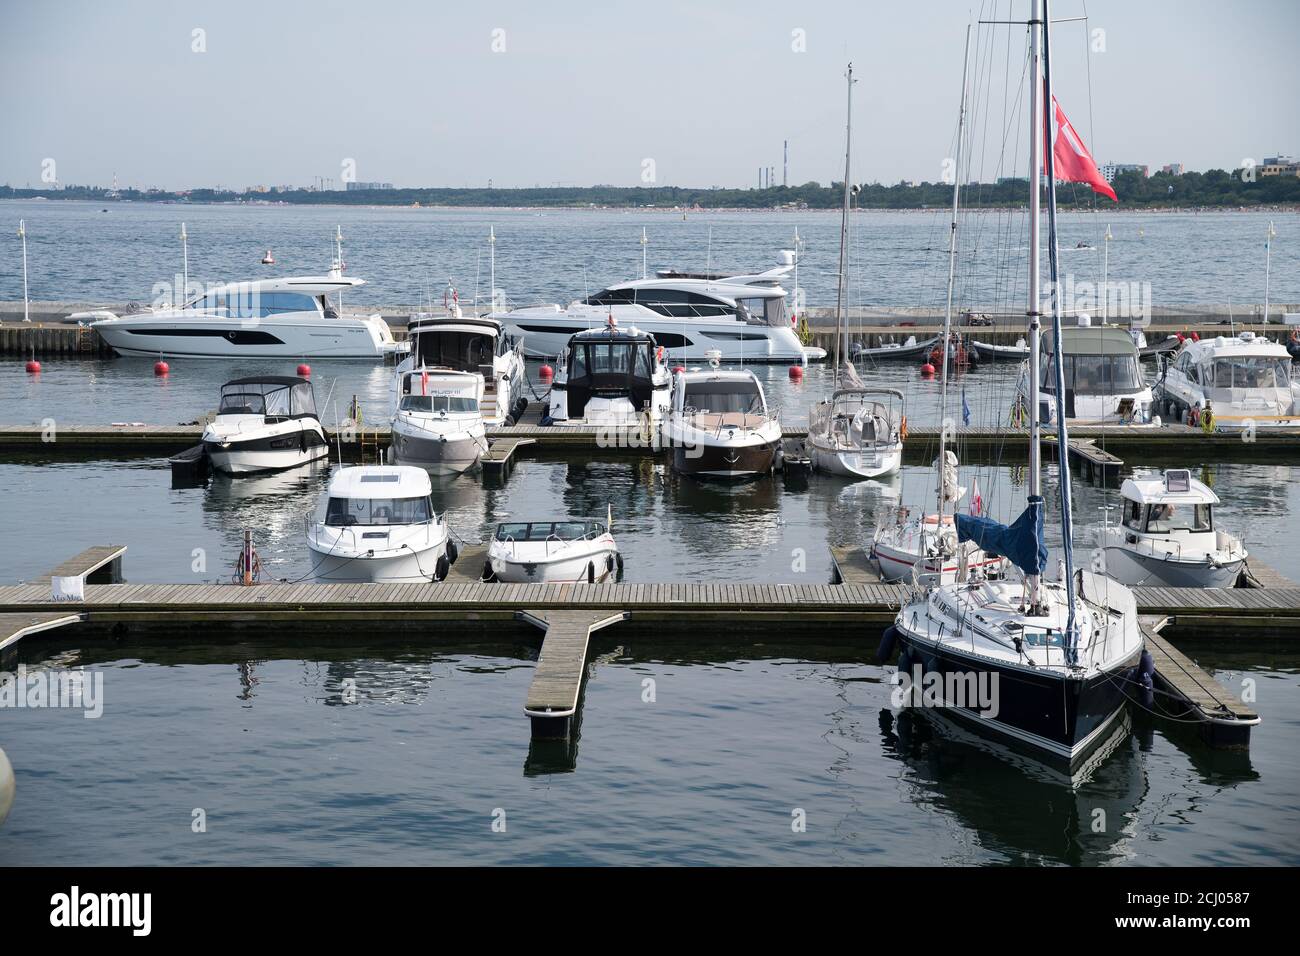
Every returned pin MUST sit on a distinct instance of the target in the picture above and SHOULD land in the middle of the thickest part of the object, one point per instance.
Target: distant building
(1279, 166)
(354, 186)
(1173, 169)
(1110, 170)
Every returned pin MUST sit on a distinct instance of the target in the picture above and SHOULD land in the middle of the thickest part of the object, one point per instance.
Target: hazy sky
(585, 92)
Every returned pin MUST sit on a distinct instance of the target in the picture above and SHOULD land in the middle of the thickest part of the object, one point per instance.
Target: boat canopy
(380, 481)
(610, 362)
(281, 396)
(456, 343)
(547, 530)
(1021, 541)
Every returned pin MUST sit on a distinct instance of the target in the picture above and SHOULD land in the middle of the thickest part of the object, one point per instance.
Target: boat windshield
(544, 530)
(722, 397)
(616, 358)
(438, 403)
(1164, 518)
(1251, 371)
(267, 398)
(1095, 374)
(346, 512)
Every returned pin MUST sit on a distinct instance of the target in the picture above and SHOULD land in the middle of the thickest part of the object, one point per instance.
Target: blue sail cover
(1021, 541)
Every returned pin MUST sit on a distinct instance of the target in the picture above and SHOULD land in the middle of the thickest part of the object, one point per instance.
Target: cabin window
(276, 303)
(438, 403)
(1095, 374)
(1133, 515)
(1255, 371)
(611, 297)
(549, 530)
(347, 512)
(242, 403)
(1163, 518)
(717, 398)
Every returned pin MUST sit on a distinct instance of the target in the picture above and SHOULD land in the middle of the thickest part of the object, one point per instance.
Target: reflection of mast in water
(247, 679)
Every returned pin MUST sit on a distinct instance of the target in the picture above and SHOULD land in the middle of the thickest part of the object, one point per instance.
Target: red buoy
(927, 370)
(1179, 336)
(679, 368)
(546, 372)
(1196, 337)
(34, 367)
(304, 370)
(161, 368)
(796, 373)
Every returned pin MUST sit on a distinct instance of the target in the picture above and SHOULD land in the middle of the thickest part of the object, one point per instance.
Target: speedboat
(720, 425)
(858, 432)
(553, 552)
(376, 523)
(610, 376)
(689, 314)
(991, 352)
(462, 375)
(894, 351)
(1168, 538)
(265, 423)
(268, 318)
(1245, 380)
(1103, 377)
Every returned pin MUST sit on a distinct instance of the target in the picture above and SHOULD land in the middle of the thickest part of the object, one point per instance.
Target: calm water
(744, 728)
(78, 251)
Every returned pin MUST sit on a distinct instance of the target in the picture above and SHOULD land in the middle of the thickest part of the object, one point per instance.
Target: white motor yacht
(1245, 379)
(376, 523)
(720, 425)
(1168, 539)
(265, 423)
(689, 313)
(268, 318)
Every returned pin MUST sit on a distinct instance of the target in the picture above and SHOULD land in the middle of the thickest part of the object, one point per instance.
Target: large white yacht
(269, 318)
(691, 314)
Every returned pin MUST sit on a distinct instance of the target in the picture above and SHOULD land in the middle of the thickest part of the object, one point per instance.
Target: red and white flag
(1074, 164)
(976, 499)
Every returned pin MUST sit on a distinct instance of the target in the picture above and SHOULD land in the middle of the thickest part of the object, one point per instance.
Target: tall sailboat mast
(952, 271)
(1032, 310)
(1062, 436)
(840, 328)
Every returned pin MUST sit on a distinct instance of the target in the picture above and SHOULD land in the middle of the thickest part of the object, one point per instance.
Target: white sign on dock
(71, 588)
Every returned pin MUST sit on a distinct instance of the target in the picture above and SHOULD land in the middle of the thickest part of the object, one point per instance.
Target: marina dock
(1106, 449)
(570, 613)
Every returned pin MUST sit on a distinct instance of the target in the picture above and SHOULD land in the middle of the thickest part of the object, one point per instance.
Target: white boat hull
(1145, 570)
(237, 462)
(850, 463)
(562, 570)
(392, 567)
(209, 337)
(449, 455)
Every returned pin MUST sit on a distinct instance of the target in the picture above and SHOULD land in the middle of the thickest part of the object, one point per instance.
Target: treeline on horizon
(1216, 187)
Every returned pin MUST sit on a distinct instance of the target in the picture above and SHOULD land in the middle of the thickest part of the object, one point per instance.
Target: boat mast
(1035, 171)
(1062, 436)
(952, 270)
(840, 330)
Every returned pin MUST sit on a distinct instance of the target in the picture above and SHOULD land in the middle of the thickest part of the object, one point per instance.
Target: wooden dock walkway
(100, 564)
(1137, 444)
(501, 452)
(15, 626)
(1094, 462)
(853, 566)
(1190, 693)
(561, 665)
(469, 565)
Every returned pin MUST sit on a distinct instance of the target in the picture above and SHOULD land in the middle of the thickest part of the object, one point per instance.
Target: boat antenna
(492, 266)
(1062, 435)
(952, 270)
(844, 232)
(185, 264)
(645, 241)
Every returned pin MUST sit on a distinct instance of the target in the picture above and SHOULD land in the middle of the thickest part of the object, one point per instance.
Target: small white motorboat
(553, 552)
(376, 523)
(1168, 538)
(265, 423)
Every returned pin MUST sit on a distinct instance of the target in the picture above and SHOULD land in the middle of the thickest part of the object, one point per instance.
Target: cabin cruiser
(858, 432)
(1245, 379)
(553, 552)
(265, 423)
(462, 375)
(689, 314)
(720, 425)
(1168, 538)
(1103, 378)
(610, 376)
(376, 523)
(269, 318)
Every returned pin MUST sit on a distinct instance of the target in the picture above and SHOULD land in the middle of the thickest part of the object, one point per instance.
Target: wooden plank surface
(562, 661)
(15, 625)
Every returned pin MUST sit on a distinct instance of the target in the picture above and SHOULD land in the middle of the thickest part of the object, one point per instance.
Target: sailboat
(926, 545)
(1049, 659)
(858, 431)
